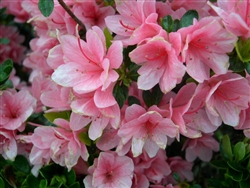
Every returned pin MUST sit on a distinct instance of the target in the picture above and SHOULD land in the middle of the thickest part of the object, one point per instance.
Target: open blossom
(201, 147)
(110, 170)
(87, 64)
(137, 20)
(235, 15)
(8, 145)
(147, 130)
(160, 63)
(206, 44)
(15, 109)
(225, 96)
(13, 50)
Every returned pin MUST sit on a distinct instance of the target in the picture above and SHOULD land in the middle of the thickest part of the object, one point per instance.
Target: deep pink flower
(110, 170)
(13, 50)
(201, 147)
(206, 44)
(160, 63)
(87, 64)
(15, 109)
(148, 130)
(8, 145)
(137, 20)
(225, 96)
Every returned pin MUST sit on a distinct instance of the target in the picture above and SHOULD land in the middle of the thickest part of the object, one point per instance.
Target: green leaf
(234, 175)
(75, 185)
(84, 138)
(120, 93)
(46, 7)
(236, 64)
(5, 70)
(51, 116)
(32, 181)
(187, 18)
(243, 49)
(43, 184)
(245, 184)
(219, 164)
(152, 97)
(176, 177)
(239, 151)
(225, 148)
(108, 37)
(168, 23)
(4, 40)
(7, 84)
(1, 182)
(70, 176)
(133, 100)
(195, 186)
(236, 166)
(10, 175)
(21, 164)
(248, 67)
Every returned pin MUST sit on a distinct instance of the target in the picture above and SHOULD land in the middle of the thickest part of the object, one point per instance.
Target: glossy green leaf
(7, 84)
(22, 164)
(32, 181)
(108, 37)
(243, 49)
(70, 176)
(236, 64)
(168, 23)
(1, 182)
(226, 149)
(245, 184)
(84, 137)
(239, 151)
(176, 177)
(248, 67)
(236, 166)
(152, 97)
(187, 19)
(46, 7)
(4, 41)
(51, 116)
(75, 185)
(219, 164)
(133, 100)
(5, 70)
(234, 175)
(43, 184)
(120, 93)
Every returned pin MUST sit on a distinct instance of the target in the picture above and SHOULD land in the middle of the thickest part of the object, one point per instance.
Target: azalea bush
(124, 93)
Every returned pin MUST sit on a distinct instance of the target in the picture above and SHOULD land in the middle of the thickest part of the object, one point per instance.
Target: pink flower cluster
(78, 74)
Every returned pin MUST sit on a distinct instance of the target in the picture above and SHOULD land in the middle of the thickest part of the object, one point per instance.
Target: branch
(72, 15)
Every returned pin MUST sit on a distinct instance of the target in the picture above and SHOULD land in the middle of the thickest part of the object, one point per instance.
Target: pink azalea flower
(148, 130)
(201, 147)
(235, 16)
(244, 123)
(137, 20)
(8, 145)
(206, 44)
(87, 65)
(110, 170)
(15, 109)
(160, 63)
(225, 96)
(13, 50)
(181, 167)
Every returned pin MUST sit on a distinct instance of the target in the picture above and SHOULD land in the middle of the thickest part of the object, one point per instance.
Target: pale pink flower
(160, 63)
(110, 170)
(235, 16)
(15, 9)
(15, 109)
(201, 147)
(8, 145)
(244, 123)
(137, 20)
(225, 96)
(88, 66)
(206, 44)
(13, 50)
(147, 130)
(180, 166)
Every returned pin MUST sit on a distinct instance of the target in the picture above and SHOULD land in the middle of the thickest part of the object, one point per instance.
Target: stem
(72, 15)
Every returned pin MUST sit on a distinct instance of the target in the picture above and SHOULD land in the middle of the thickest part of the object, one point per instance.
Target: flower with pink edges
(146, 129)
(225, 96)
(15, 109)
(205, 46)
(110, 170)
(8, 145)
(201, 147)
